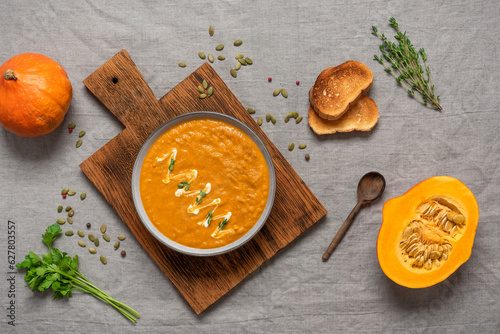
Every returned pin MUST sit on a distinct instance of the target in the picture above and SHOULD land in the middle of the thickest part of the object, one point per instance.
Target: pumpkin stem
(9, 75)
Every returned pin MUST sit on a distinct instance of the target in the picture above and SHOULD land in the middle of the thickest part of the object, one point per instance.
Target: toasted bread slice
(361, 116)
(337, 87)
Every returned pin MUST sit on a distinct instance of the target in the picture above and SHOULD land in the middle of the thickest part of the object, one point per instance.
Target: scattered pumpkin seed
(242, 61)
(287, 118)
(210, 91)
(291, 146)
(302, 146)
(307, 157)
(202, 96)
(61, 221)
(80, 233)
(201, 90)
(284, 93)
(211, 31)
(233, 72)
(251, 110)
(103, 228)
(81, 244)
(295, 114)
(221, 57)
(68, 208)
(238, 56)
(238, 42)
(237, 66)
(202, 55)
(70, 220)
(210, 57)
(106, 237)
(117, 245)
(71, 213)
(205, 84)
(96, 242)
(182, 64)
(79, 143)
(64, 191)
(92, 250)
(71, 125)
(81, 134)
(298, 120)
(71, 193)
(259, 121)
(83, 195)
(219, 47)
(273, 119)
(276, 92)
(249, 61)
(121, 237)
(59, 208)
(103, 259)
(69, 233)
(91, 237)
(268, 117)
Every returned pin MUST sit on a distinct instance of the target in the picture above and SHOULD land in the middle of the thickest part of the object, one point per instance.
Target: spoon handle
(342, 231)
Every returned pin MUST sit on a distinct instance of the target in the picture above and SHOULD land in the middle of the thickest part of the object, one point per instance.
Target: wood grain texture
(119, 85)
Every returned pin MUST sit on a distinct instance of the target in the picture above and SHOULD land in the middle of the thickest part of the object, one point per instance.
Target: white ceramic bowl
(137, 172)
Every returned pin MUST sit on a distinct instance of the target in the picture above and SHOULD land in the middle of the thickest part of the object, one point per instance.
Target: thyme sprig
(223, 224)
(405, 66)
(209, 217)
(171, 164)
(200, 198)
(185, 185)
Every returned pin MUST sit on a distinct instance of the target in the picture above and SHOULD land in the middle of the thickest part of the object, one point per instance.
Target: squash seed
(302, 146)
(205, 84)
(81, 134)
(83, 195)
(202, 55)
(238, 42)
(268, 117)
(64, 191)
(103, 228)
(103, 259)
(242, 61)
(69, 220)
(251, 110)
(80, 233)
(92, 250)
(273, 119)
(221, 57)
(106, 237)
(91, 237)
(182, 64)
(59, 208)
(69, 233)
(67, 209)
(238, 56)
(210, 57)
(298, 120)
(295, 114)
(291, 146)
(81, 244)
(201, 90)
(249, 61)
(211, 31)
(121, 237)
(71, 213)
(117, 245)
(71, 193)
(259, 121)
(202, 96)
(237, 66)
(276, 92)
(71, 125)
(287, 118)
(284, 93)
(61, 221)
(233, 72)
(219, 47)
(96, 242)
(210, 91)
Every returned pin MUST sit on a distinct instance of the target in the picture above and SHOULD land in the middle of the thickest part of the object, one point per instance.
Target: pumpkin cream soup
(204, 183)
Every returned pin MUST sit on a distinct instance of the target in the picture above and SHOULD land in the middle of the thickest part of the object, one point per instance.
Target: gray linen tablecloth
(288, 41)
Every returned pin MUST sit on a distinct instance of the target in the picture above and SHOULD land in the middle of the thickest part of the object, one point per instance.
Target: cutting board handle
(119, 85)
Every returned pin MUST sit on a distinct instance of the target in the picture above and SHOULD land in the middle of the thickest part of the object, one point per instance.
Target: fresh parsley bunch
(59, 272)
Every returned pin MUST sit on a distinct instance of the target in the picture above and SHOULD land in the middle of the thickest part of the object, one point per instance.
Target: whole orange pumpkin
(35, 94)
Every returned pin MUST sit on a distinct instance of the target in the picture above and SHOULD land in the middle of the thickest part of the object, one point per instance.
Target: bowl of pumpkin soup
(203, 183)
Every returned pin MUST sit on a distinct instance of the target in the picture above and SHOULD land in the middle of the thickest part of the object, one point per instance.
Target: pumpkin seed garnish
(106, 237)
(302, 146)
(221, 57)
(71, 125)
(242, 61)
(103, 228)
(268, 117)
(103, 259)
(237, 66)
(80, 233)
(182, 64)
(211, 31)
(60, 221)
(81, 244)
(59, 208)
(79, 143)
(298, 120)
(295, 114)
(96, 242)
(251, 110)
(71, 213)
(238, 42)
(64, 191)
(219, 47)
(233, 72)
(202, 96)
(70, 220)
(121, 237)
(69, 233)
(273, 119)
(71, 193)
(276, 92)
(91, 237)
(81, 134)
(210, 91)
(249, 61)
(117, 245)
(284, 93)
(291, 146)
(210, 57)
(83, 195)
(205, 84)
(68, 208)
(201, 55)
(92, 250)
(238, 56)
(259, 121)
(201, 90)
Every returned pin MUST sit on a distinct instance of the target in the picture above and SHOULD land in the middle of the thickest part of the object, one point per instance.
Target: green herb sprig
(222, 224)
(200, 198)
(59, 272)
(185, 185)
(404, 65)
(209, 217)
(171, 164)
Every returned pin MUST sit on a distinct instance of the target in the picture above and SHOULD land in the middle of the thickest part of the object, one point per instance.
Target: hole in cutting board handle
(114, 80)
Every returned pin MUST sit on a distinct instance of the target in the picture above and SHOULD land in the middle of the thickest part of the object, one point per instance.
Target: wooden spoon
(370, 187)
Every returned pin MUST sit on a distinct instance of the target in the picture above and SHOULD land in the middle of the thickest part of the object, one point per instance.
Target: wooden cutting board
(119, 85)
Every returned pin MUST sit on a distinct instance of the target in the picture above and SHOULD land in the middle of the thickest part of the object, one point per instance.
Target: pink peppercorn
(70, 130)
(269, 79)
(64, 195)
(297, 82)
